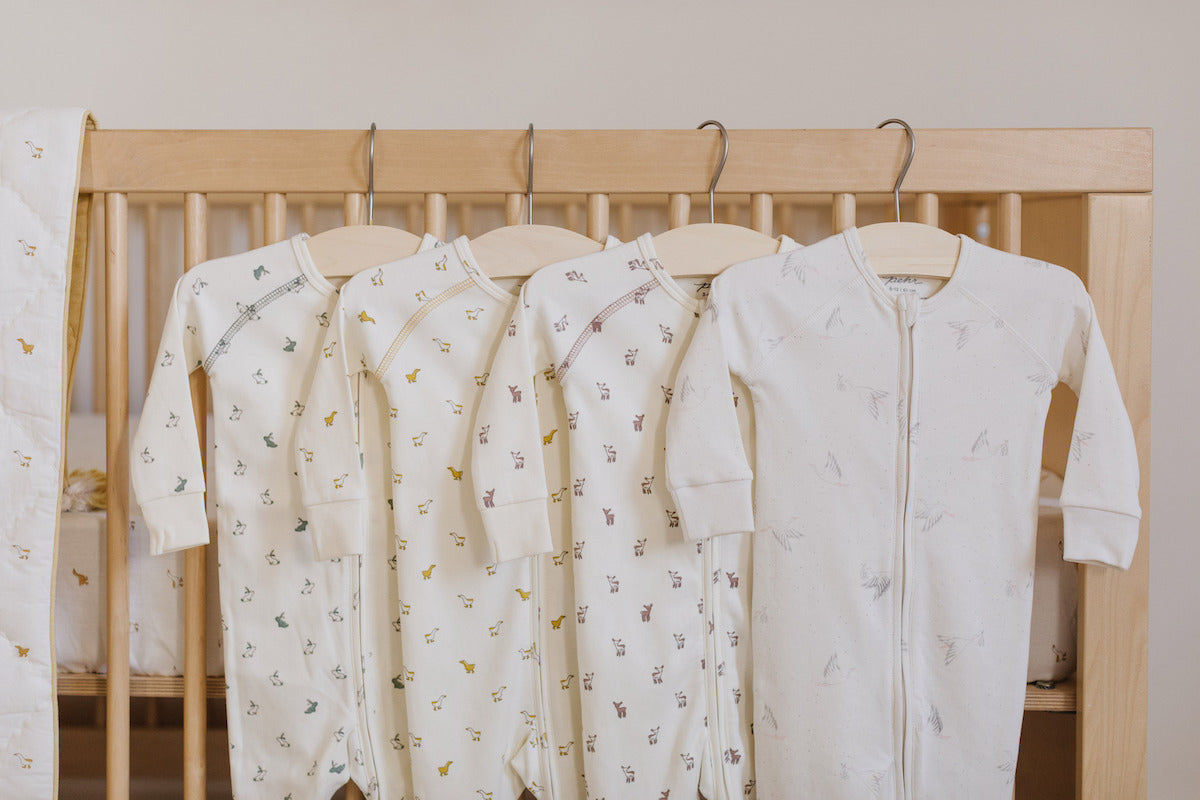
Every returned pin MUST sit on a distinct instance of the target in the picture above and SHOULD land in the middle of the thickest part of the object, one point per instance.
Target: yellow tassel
(85, 490)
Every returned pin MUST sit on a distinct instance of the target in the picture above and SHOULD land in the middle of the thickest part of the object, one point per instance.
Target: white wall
(622, 64)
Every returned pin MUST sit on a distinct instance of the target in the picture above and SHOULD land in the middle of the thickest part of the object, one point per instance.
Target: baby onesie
(294, 676)
(651, 609)
(899, 439)
(426, 328)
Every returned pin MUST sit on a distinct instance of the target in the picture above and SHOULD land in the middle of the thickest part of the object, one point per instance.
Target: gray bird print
(955, 645)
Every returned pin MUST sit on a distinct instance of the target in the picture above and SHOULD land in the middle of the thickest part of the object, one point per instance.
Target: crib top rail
(1026, 160)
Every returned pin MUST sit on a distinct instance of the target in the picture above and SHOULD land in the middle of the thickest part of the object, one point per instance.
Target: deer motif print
(680, 640)
(608, 516)
(591, 743)
(667, 335)
(733, 580)
(483, 434)
(581, 614)
(656, 675)
(578, 488)
(610, 454)
(605, 393)
(672, 518)
(646, 612)
(639, 548)
(629, 773)
(680, 700)
(637, 422)
(587, 681)
(572, 420)
(688, 761)
(614, 585)
(631, 356)
(619, 647)
(621, 709)
(518, 459)
(516, 393)
(561, 324)
(676, 579)
(648, 485)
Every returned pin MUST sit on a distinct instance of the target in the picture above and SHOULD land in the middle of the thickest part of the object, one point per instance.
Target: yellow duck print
(444, 770)
(306, 453)
(328, 349)
(364, 317)
(557, 623)
(329, 419)
(83, 579)
(549, 437)
(26, 347)
(340, 481)
(470, 668)
(524, 595)
(455, 473)
(428, 573)
(23, 460)
(459, 541)
(22, 552)
(26, 763)
(475, 734)
(412, 376)
(22, 652)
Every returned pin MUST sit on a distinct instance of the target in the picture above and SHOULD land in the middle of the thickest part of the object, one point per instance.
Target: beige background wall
(621, 64)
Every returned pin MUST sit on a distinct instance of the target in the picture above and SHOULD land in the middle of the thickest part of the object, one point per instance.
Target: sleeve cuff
(714, 509)
(337, 528)
(176, 523)
(518, 530)
(1100, 537)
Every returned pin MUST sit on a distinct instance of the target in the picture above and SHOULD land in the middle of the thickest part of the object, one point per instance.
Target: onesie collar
(304, 259)
(463, 250)
(962, 270)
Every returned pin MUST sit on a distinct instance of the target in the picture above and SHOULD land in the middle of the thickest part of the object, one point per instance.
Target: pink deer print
(672, 519)
(637, 422)
(581, 614)
(676, 579)
(639, 296)
(680, 700)
(668, 393)
(611, 454)
(614, 585)
(579, 550)
(620, 707)
(587, 681)
(516, 394)
(512, 329)
(489, 498)
(561, 324)
(733, 638)
(653, 735)
(639, 547)
(680, 640)
(578, 487)
(646, 612)
(591, 743)
(604, 391)
(608, 516)
(733, 579)
(667, 335)
(596, 324)
(688, 762)
(483, 434)
(656, 675)
(648, 485)
(572, 420)
(619, 647)
(732, 756)
(631, 356)
(518, 459)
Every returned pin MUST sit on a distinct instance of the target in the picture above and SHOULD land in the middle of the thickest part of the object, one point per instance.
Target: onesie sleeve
(328, 463)
(507, 468)
(1100, 488)
(707, 471)
(166, 466)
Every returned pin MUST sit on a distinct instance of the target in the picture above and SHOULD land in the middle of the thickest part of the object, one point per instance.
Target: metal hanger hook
(371, 178)
(529, 178)
(712, 187)
(912, 150)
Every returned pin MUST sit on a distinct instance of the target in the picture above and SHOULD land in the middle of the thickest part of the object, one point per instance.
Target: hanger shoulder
(910, 248)
(707, 248)
(353, 248)
(521, 250)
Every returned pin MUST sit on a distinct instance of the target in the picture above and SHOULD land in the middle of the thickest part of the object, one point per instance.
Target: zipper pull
(909, 305)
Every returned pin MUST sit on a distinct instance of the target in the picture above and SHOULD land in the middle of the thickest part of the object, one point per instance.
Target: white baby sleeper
(426, 328)
(899, 438)
(652, 610)
(291, 625)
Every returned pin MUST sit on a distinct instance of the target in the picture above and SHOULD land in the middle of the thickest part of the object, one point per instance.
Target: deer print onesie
(426, 328)
(255, 323)
(660, 622)
(899, 439)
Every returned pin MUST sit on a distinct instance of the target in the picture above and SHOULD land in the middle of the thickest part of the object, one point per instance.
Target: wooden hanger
(521, 250)
(708, 248)
(348, 250)
(909, 248)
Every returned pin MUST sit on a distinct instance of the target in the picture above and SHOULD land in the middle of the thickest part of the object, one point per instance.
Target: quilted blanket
(42, 275)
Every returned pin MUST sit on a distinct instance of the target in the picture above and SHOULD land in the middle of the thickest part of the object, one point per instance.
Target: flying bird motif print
(1079, 440)
(835, 327)
(930, 515)
(955, 645)
(833, 673)
(831, 472)
(796, 266)
(1043, 381)
(981, 449)
(872, 399)
(965, 330)
(877, 582)
(934, 721)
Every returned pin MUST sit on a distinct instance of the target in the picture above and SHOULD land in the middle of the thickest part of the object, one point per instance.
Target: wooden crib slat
(598, 224)
(1008, 223)
(625, 230)
(116, 292)
(354, 208)
(308, 217)
(435, 214)
(156, 279)
(843, 211)
(679, 209)
(255, 212)
(761, 216)
(514, 204)
(412, 214)
(195, 590)
(466, 219)
(572, 216)
(927, 208)
(97, 257)
(274, 217)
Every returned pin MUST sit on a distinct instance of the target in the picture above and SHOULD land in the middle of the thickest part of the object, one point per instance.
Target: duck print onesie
(254, 323)
(899, 426)
(426, 328)
(651, 609)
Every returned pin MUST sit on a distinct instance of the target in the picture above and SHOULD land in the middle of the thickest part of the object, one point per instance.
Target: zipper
(715, 721)
(364, 723)
(909, 305)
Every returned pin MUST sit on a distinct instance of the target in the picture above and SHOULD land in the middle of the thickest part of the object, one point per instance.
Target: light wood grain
(679, 210)
(157, 280)
(761, 213)
(926, 209)
(435, 215)
(195, 586)
(598, 224)
(514, 206)
(994, 160)
(1007, 235)
(89, 684)
(116, 338)
(354, 209)
(844, 211)
(1113, 605)
(274, 217)
(99, 347)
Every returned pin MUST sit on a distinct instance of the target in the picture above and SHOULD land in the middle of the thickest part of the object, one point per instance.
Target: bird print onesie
(426, 328)
(899, 437)
(290, 624)
(659, 621)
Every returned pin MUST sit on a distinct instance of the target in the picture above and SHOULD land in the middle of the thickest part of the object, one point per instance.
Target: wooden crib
(1077, 197)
